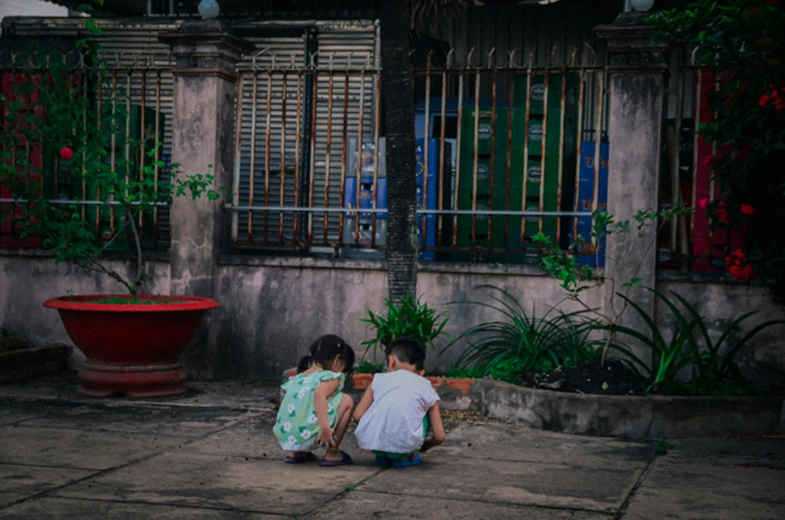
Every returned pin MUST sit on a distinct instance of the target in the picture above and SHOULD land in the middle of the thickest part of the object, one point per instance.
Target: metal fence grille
(501, 147)
(690, 243)
(143, 85)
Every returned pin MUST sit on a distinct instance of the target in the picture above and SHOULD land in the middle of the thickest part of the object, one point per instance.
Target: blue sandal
(414, 460)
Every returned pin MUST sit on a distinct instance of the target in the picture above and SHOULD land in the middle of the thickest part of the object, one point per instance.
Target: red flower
(722, 214)
(764, 100)
(772, 2)
(747, 209)
(66, 154)
(703, 204)
(738, 267)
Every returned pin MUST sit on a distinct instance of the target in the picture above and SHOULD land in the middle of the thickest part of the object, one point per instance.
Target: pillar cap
(630, 45)
(205, 48)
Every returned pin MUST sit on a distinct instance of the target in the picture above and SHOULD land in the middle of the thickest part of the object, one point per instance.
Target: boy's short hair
(409, 351)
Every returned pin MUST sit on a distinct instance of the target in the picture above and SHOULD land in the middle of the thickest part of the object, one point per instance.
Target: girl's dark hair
(326, 349)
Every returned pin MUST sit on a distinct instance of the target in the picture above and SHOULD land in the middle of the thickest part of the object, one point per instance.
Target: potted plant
(61, 124)
(408, 318)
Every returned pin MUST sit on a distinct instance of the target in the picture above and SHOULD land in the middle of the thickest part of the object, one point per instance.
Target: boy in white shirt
(399, 408)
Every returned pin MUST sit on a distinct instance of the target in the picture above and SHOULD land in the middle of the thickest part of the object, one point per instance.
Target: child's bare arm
(363, 405)
(437, 427)
(323, 391)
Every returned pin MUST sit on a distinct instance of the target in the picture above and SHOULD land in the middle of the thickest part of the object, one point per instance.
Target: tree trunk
(399, 131)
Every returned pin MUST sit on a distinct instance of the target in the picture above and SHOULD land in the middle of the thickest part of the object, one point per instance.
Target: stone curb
(630, 416)
(617, 416)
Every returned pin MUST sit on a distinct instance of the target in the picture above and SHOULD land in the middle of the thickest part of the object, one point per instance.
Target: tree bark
(398, 108)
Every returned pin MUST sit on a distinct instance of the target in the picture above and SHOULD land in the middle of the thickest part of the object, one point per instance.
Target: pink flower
(66, 154)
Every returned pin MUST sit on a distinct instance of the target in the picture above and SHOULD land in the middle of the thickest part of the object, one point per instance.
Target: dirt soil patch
(615, 378)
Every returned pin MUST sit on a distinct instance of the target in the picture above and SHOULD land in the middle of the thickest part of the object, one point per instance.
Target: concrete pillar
(204, 106)
(637, 84)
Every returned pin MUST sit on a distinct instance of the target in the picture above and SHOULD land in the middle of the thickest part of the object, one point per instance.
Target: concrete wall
(26, 281)
(274, 308)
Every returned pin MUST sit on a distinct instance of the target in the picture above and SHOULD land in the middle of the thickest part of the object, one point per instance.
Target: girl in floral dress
(314, 412)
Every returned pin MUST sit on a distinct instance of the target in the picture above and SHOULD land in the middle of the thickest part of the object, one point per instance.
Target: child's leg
(344, 413)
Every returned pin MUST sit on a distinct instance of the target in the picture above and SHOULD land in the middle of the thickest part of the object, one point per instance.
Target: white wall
(30, 8)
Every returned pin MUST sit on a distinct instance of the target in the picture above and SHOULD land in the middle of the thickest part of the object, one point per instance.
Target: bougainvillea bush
(742, 43)
(63, 114)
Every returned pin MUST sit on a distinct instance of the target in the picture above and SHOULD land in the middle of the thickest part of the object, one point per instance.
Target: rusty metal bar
(84, 153)
(543, 147)
(344, 137)
(534, 70)
(578, 158)
(330, 209)
(493, 155)
(113, 154)
(330, 82)
(675, 188)
(527, 132)
(458, 160)
(426, 147)
(598, 139)
(237, 154)
(476, 153)
(695, 145)
(312, 166)
(359, 151)
(376, 131)
(252, 174)
(297, 145)
(142, 141)
(99, 106)
(282, 180)
(158, 141)
(563, 109)
(443, 131)
(129, 79)
(267, 143)
(508, 166)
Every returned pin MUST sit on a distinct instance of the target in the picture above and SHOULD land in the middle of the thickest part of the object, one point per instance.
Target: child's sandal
(345, 461)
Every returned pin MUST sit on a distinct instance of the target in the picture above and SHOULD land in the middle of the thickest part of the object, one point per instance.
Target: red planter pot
(462, 385)
(362, 381)
(132, 348)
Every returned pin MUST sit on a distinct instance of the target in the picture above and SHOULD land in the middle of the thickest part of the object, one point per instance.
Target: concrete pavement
(211, 454)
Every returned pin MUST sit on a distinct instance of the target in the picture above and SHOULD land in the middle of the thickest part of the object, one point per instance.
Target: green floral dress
(297, 427)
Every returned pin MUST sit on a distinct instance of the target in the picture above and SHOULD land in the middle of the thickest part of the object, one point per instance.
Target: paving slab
(254, 439)
(79, 449)
(714, 479)
(490, 440)
(65, 387)
(9, 414)
(68, 509)
(361, 504)
(156, 420)
(526, 483)
(186, 478)
(19, 482)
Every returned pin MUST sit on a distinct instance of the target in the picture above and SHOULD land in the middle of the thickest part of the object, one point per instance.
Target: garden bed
(615, 415)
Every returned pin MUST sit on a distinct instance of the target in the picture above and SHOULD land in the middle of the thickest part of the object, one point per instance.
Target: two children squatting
(398, 416)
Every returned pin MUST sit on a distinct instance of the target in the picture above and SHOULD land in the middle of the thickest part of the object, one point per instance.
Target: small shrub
(408, 318)
(523, 342)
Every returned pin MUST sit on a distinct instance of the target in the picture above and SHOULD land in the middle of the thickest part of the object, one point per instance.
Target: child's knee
(347, 403)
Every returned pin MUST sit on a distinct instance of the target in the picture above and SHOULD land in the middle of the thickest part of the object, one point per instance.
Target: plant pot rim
(82, 303)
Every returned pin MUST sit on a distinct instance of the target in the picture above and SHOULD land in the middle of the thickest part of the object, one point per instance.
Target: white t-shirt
(393, 423)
